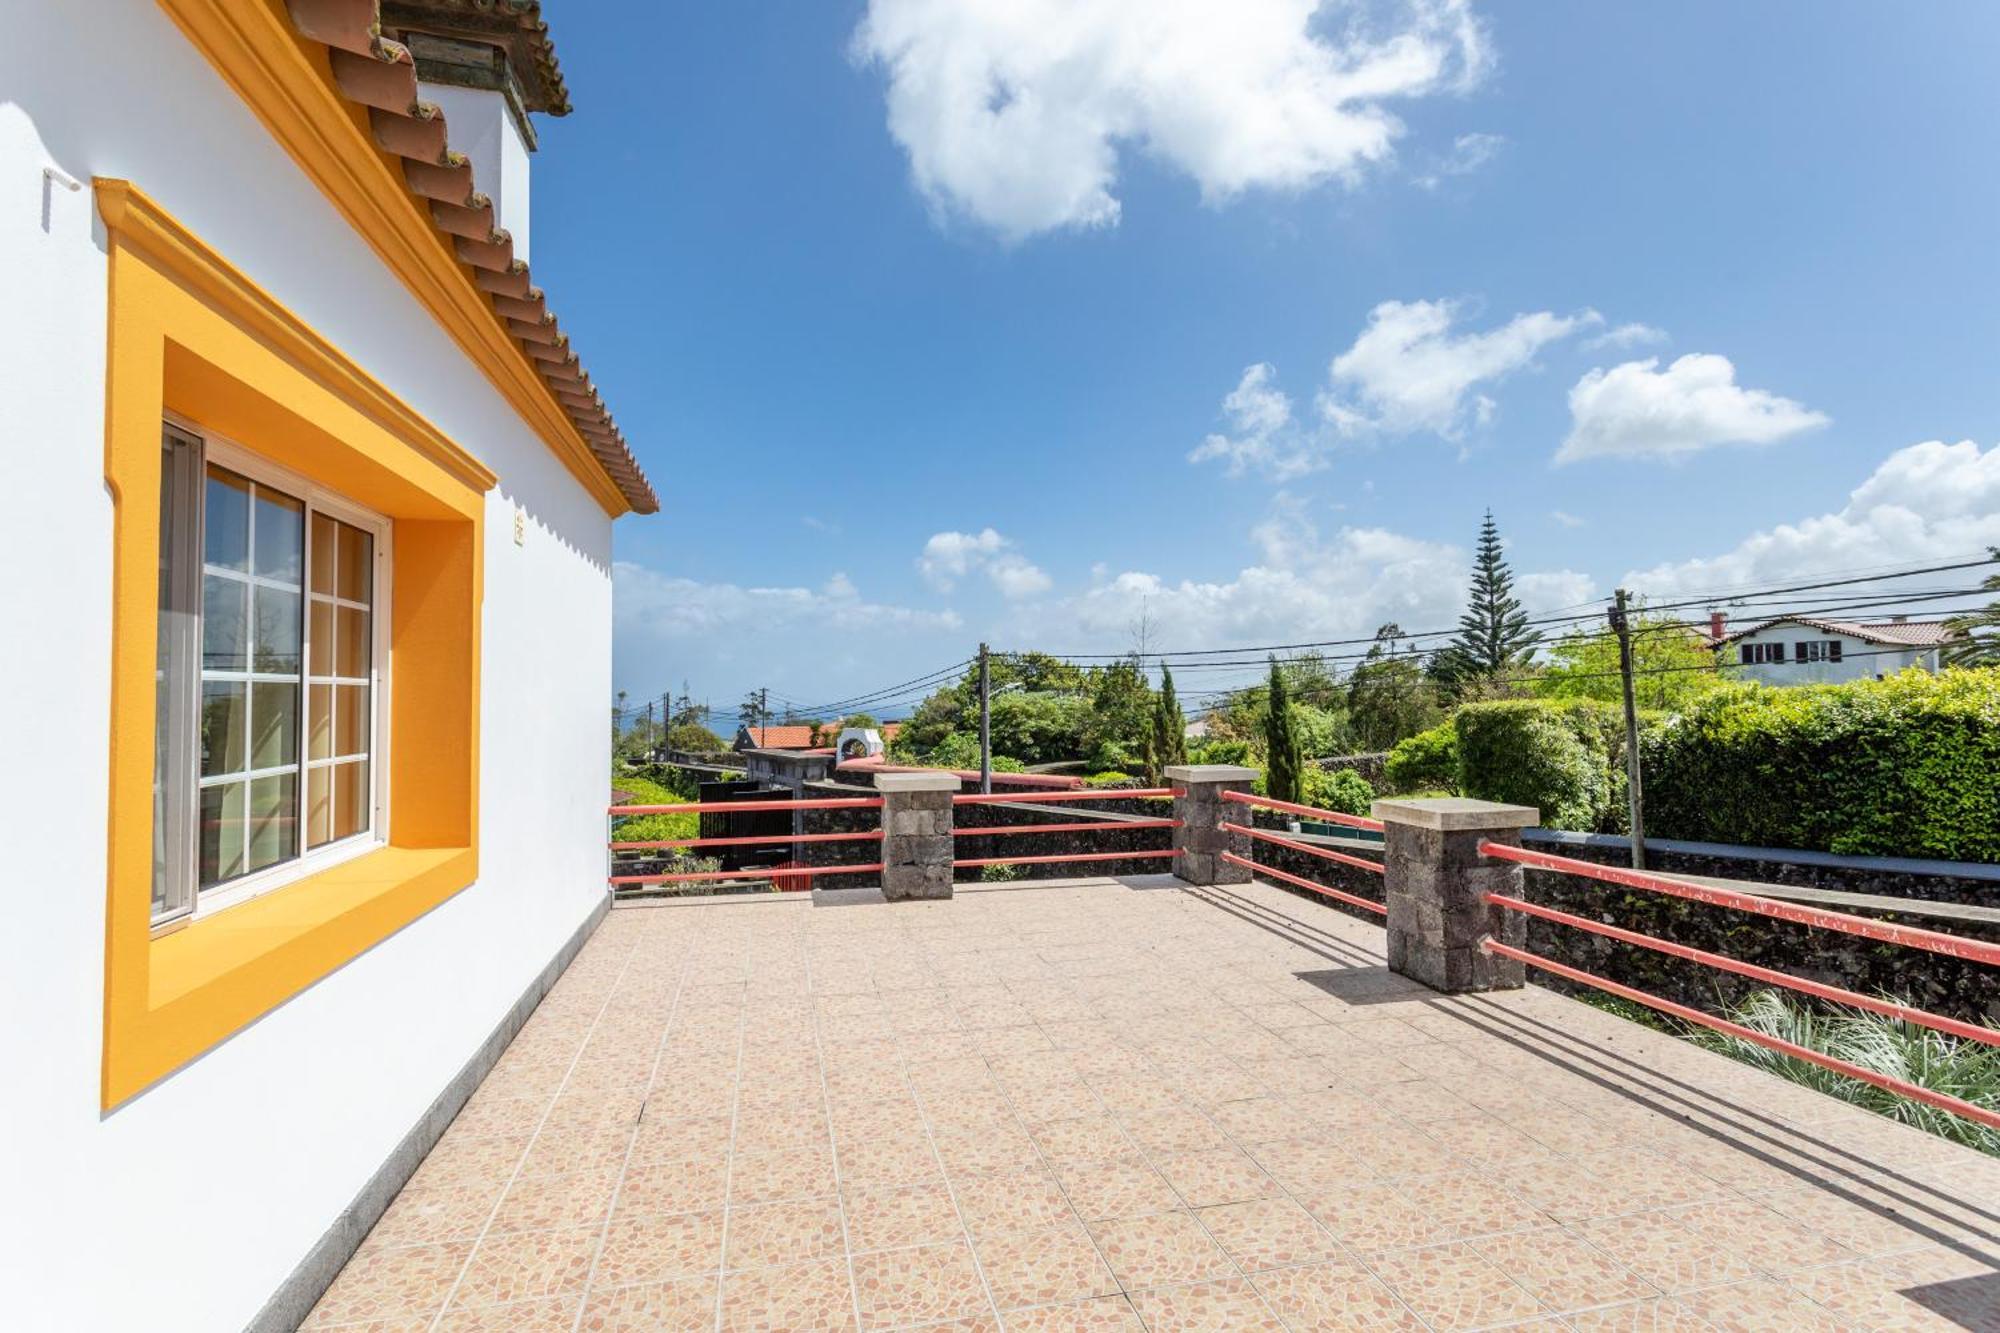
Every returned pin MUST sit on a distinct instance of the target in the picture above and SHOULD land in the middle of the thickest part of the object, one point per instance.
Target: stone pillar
(916, 834)
(1437, 882)
(1198, 804)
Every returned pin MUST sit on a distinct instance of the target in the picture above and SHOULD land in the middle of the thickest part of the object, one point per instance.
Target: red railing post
(1201, 840)
(916, 834)
(1437, 881)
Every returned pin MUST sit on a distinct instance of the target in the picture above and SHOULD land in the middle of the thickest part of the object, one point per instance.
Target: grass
(1967, 1070)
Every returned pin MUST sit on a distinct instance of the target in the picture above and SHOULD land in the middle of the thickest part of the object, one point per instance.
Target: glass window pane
(281, 532)
(350, 719)
(319, 806)
(221, 833)
(222, 727)
(274, 821)
(357, 552)
(350, 799)
(225, 520)
(352, 655)
(323, 542)
(319, 722)
(278, 644)
(224, 611)
(320, 638)
(274, 725)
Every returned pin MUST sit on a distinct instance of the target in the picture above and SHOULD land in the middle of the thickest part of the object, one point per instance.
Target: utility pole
(985, 723)
(1635, 797)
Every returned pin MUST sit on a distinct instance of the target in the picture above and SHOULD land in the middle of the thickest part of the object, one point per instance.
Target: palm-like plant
(1980, 644)
(1967, 1070)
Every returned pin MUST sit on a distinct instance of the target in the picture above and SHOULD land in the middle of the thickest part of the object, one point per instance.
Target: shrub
(1523, 752)
(1428, 759)
(1219, 752)
(1342, 790)
(1967, 1070)
(1110, 777)
(1906, 766)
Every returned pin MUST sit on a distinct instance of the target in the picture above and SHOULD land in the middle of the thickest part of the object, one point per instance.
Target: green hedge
(1427, 761)
(1527, 752)
(1908, 766)
(1340, 789)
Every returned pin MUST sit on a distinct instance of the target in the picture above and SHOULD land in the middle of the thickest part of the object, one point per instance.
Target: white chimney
(487, 130)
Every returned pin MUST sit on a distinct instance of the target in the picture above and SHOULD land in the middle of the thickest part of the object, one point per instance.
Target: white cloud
(949, 556)
(1469, 152)
(1262, 432)
(1554, 590)
(1305, 584)
(1408, 371)
(1567, 520)
(658, 605)
(1626, 336)
(1015, 113)
(1927, 503)
(1637, 410)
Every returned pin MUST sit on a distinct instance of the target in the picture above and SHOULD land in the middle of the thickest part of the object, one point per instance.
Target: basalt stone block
(1437, 882)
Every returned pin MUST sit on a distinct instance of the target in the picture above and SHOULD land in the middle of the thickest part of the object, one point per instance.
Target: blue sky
(852, 315)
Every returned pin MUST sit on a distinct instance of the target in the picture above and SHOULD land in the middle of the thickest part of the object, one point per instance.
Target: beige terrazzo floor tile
(1268, 1233)
(1101, 1314)
(797, 1298)
(1333, 1297)
(764, 1234)
(1561, 1270)
(1452, 1287)
(1226, 1306)
(926, 1285)
(527, 1265)
(1159, 1250)
(684, 1306)
(1043, 1267)
(641, 1249)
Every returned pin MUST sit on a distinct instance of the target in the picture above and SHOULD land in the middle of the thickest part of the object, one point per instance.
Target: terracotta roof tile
(380, 75)
(1900, 633)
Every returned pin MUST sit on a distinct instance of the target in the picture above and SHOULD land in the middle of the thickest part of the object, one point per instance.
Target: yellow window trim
(287, 83)
(191, 334)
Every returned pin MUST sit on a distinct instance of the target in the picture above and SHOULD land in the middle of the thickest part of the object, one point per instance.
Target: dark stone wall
(1372, 766)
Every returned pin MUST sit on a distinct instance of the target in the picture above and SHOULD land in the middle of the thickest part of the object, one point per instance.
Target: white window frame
(228, 453)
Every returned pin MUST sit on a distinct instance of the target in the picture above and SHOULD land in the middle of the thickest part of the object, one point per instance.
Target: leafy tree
(1981, 644)
(1389, 695)
(1037, 728)
(694, 737)
(1672, 666)
(1169, 726)
(1494, 636)
(1282, 761)
(1121, 709)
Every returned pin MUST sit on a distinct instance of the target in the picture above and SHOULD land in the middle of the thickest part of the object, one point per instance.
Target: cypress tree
(1169, 727)
(1282, 761)
(1494, 636)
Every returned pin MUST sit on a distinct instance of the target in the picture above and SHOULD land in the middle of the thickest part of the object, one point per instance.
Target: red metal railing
(1090, 826)
(1309, 811)
(1044, 797)
(1952, 946)
(1066, 856)
(762, 840)
(698, 807)
(1324, 853)
(1351, 899)
(774, 872)
(1913, 937)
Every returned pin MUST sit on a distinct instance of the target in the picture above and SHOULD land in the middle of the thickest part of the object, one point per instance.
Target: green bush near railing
(1906, 766)
(1932, 1060)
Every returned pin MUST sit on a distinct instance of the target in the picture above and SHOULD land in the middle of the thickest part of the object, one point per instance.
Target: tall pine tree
(1283, 763)
(1169, 726)
(1494, 636)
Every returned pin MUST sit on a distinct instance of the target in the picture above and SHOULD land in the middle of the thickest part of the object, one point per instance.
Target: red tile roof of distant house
(1897, 633)
(800, 737)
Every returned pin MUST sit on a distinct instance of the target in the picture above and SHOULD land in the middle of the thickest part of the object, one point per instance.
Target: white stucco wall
(186, 1207)
(1860, 659)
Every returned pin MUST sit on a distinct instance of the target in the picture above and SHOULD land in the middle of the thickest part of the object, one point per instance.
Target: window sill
(222, 972)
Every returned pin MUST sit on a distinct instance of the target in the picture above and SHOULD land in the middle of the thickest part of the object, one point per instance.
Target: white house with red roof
(1806, 650)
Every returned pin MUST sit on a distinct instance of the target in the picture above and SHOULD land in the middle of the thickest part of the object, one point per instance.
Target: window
(1763, 654)
(1816, 650)
(268, 677)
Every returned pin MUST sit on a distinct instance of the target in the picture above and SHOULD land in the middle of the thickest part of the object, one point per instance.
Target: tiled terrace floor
(1129, 1105)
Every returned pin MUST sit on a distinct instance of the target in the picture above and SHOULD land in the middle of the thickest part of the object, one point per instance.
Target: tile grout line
(631, 952)
(618, 1189)
(833, 1142)
(729, 1168)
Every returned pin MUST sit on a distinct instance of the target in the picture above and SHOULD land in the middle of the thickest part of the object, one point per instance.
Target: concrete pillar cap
(1456, 814)
(888, 783)
(1210, 773)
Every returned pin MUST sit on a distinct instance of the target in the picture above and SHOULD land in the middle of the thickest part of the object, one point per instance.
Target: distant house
(802, 737)
(1805, 650)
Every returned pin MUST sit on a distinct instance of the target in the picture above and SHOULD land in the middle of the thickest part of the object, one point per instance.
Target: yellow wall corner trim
(129, 212)
(287, 83)
(188, 333)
